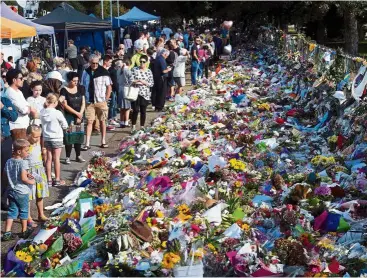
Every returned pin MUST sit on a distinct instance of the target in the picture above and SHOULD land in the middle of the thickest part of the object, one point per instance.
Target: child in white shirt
(53, 126)
(37, 101)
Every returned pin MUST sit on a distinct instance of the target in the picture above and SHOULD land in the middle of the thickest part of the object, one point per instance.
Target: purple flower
(322, 191)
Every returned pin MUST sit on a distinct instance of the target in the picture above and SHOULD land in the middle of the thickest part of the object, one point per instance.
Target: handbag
(131, 93)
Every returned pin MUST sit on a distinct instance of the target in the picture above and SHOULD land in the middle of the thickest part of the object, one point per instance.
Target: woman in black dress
(160, 79)
(74, 107)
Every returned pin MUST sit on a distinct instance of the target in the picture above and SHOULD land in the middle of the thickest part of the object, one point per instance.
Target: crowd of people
(40, 115)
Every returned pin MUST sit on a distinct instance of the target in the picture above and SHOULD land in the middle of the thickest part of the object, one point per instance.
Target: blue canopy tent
(93, 39)
(136, 15)
(118, 23)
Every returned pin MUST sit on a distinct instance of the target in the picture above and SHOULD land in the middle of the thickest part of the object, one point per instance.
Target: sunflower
(28, 258)
(21, 255)
(170, 259)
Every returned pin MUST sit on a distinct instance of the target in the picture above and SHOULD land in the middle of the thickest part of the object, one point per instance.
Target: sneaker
(67, 160)
(80, 159)
(26, 234)
(111, 127)
(8, 236)
(122, 124)
(113, 122)
(133, 129)
(127, 124)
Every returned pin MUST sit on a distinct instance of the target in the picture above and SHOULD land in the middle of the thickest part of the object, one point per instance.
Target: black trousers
(74, 63)
(140, 105)
(68, 149)
(6, 153)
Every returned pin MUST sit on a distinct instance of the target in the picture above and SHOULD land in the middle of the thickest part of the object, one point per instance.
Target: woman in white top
(18, 128)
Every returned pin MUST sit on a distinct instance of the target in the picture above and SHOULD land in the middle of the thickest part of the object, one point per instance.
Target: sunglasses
(143, 61)
(20, 78)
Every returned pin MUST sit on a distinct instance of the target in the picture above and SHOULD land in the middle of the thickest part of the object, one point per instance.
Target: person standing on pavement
(195, 61)
(72, 52)
(124, 79)
(143, 79)
(98, 86)
(82, 62)
(135, 60)
(128, 45)
(74, 107)
(160, 79)
(19, 127)
(8, 114)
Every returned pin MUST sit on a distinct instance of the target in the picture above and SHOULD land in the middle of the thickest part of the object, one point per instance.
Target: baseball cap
(55, 75)
(139, 46)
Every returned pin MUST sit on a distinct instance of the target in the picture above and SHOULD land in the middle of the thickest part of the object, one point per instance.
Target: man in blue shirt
(8, 113)
(186, 36)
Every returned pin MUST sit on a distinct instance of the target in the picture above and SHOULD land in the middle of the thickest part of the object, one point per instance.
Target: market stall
(66, 19)
(11, 29)
(137, 15)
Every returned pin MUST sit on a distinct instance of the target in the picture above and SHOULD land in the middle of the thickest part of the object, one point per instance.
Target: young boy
(16, 169)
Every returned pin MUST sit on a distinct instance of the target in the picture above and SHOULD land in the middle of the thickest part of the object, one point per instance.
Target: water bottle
(71, 126)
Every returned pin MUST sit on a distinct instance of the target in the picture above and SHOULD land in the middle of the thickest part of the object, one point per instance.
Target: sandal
(59, 183)
(49, 183)
(31, 224)
(43, 219)
(85, 148)
(104, 146)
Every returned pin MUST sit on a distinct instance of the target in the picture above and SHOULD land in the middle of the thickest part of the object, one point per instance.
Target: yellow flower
(211, 247)
(184, 217)
(160, 214)
(169, 260)
(237, 164)
(199, 253)
(207, 152)
(237, 183)
(20, 255)
(164, 244)
(245, 227)
(28, 259)
(31, 248)
(183, 209)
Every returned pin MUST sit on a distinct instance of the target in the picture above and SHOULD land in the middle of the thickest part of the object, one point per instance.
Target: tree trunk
(321, 32)
(350, 31)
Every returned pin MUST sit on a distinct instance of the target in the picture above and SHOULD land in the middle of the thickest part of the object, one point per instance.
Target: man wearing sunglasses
(98, 86)
(19, 127)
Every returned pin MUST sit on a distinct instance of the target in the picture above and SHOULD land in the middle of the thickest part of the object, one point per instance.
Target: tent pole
(54, 37)
(112, 31)
(102, 9)
(66, 41)
(118, 15)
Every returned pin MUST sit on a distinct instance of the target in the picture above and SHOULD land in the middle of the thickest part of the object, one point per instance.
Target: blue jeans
(201, 69)
(18, 205)
(194, 71)
(112, 109)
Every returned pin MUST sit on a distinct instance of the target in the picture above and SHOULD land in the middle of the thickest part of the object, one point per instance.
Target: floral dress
(40, 189)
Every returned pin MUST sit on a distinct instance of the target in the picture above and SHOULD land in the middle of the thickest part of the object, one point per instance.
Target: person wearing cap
(72, 53)
(98, 86)
(135, 60)
(52, 84)
(18, 128)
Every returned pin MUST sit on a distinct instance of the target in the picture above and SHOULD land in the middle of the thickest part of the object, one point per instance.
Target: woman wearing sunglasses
(143, 79)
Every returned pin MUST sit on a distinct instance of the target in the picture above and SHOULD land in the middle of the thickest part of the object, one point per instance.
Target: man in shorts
(98, 86)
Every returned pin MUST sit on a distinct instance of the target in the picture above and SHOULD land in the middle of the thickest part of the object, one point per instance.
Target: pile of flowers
(243, 179)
